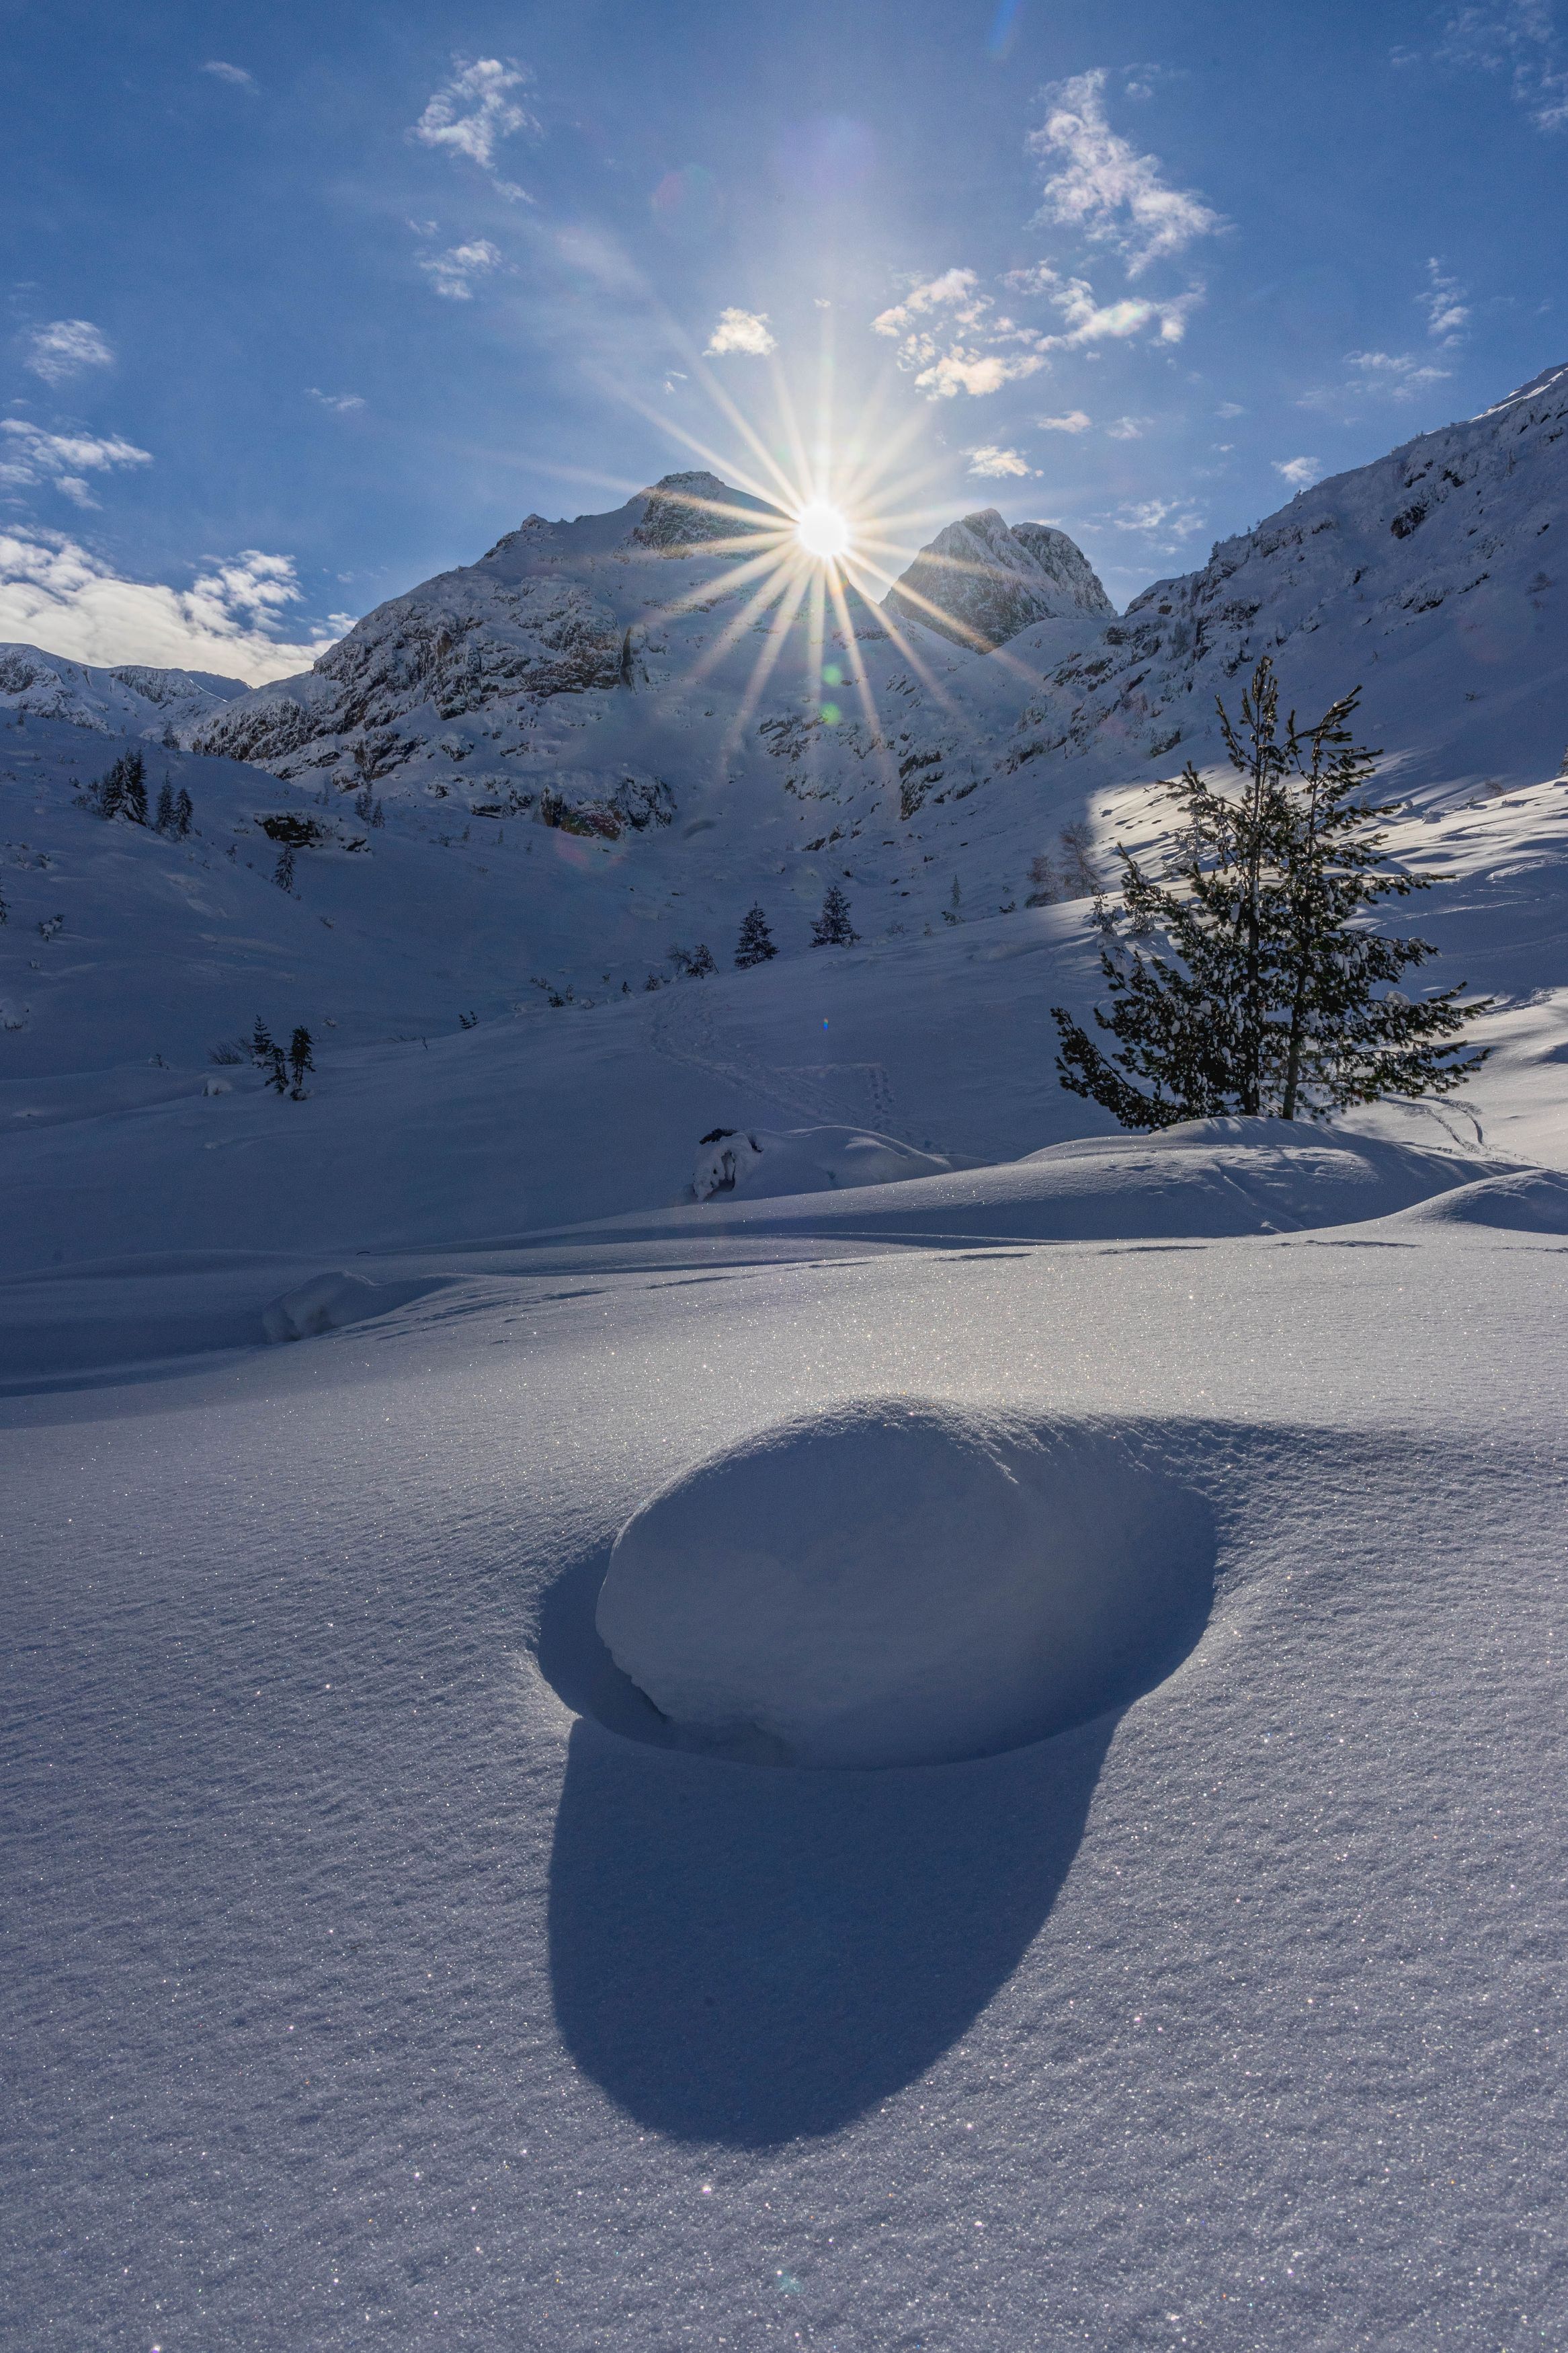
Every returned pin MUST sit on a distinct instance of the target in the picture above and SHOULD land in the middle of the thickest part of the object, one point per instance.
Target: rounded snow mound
(904, 1582)
(760, 1162)
(1527, 1201)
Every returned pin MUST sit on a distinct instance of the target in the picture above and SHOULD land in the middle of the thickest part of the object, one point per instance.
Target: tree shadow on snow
(746, 1956)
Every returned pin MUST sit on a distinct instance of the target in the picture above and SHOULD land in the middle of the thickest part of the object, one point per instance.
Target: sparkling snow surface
(382, 1966)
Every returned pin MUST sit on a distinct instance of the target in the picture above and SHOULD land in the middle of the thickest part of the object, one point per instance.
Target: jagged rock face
(133, 700)
(981, 581)
(1435, 578)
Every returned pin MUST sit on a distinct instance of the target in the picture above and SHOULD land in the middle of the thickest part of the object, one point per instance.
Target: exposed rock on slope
(130, 701)
(982, 580)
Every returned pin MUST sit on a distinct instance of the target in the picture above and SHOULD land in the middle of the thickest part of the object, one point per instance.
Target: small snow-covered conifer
(833, 928)
(283, 872)
(1275, 998)
(165, 821)
(755, 944)
(184, 812)
(300, 1062)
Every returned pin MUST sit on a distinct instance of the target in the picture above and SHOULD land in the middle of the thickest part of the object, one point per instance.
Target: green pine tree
(833, 928)
(755, 944)
(1277, 998)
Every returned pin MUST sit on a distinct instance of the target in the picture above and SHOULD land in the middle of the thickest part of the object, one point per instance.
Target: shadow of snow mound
(748, 1958)
(889, 1582)
(1529, 1201)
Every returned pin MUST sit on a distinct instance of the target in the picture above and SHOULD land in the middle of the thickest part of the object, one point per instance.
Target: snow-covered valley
(384, 1967)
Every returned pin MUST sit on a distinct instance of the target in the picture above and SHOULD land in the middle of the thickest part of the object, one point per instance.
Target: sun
(823, 530)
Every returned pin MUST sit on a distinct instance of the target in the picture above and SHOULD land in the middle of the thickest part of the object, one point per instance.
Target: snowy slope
(132, 700)
(1434, 578)
(367, 1958)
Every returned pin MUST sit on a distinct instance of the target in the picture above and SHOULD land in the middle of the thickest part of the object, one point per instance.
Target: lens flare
(823, 531)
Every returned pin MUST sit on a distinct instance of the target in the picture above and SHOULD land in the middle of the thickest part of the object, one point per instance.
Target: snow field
(361, 1968)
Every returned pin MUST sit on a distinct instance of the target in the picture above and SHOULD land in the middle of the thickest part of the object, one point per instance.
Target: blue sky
(304, 304)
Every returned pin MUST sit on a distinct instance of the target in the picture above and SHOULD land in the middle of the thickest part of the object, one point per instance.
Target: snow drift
(759, 1163)
(899, 1582)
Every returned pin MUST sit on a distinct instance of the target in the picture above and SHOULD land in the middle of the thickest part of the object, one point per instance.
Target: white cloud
(29, 456)
(1037, 280)
(1168, 522)
(473, 111)
(54, 594)
(1088, 321)
(1444, 303)
(741, 331)
(994, 463)
(1112, 194)
(1519, 37)
(1128, 428)
(977, 373)
(954, 288)
(65, 347)
(1075, 421)
(342, 402)
(1400, 374)
(1230, 408)
(221, 70)
(1299, 472)
(453, 273)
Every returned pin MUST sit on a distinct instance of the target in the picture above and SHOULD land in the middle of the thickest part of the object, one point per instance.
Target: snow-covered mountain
(588, 750)
(133, 700)
(1437, 578)
(982, 580)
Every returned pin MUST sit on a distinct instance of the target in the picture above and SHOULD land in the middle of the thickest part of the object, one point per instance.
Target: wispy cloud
(474, 110)
(977, 373)
(453, 273)
(1075, 421)
(951, 309)
(956, 291)
(1443, 299)
(952, 339)
(1167, 524)
(30, 457)
(1299, 472)
(56, 594)
(221, 70)
(993, 463)
(741, 331)
(1518, 37)
(344, 404)
(1090, 321)
(1106, 189)
(66, 347)
(1128, 428)
(1400, 374)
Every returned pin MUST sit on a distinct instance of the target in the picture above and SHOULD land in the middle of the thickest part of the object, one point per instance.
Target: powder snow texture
(900, 1582)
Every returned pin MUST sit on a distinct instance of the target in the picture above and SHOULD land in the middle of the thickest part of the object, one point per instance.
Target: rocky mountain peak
(982, 580)
(685, 510)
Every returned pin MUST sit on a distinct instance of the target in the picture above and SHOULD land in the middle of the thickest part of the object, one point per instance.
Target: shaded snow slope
(132, 700)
